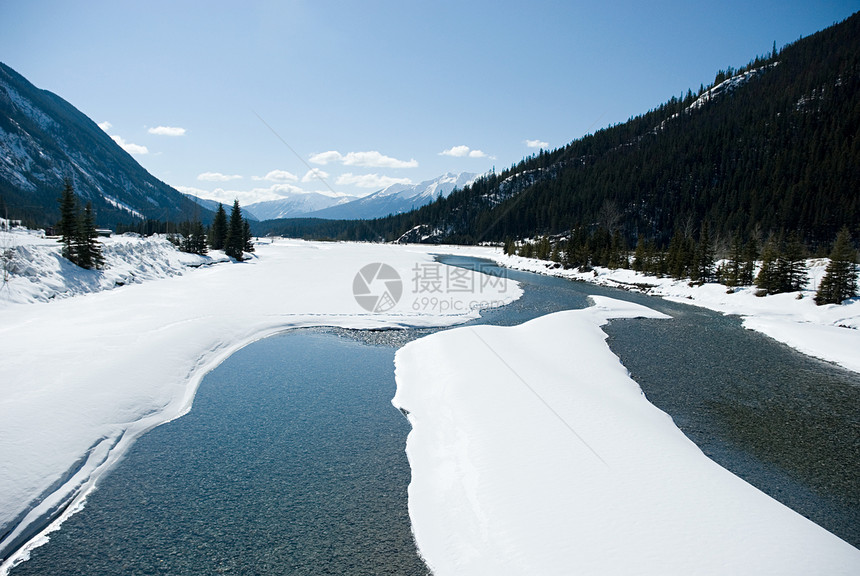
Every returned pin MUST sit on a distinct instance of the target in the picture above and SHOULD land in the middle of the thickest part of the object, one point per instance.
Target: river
(292, 458)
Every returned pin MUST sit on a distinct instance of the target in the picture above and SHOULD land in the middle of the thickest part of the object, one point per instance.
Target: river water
(292, 459)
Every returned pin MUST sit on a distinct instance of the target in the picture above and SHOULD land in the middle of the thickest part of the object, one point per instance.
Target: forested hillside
(767, 149)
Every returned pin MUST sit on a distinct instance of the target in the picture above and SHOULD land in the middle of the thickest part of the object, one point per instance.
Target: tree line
(80, 240)
(779, 153)
(777, 267)
(78, 232)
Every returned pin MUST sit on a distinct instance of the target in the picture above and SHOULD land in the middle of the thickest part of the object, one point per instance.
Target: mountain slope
(44, 139)
(772, 148)
(397, 198)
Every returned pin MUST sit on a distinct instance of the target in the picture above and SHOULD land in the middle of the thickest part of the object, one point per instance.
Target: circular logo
(377, 287)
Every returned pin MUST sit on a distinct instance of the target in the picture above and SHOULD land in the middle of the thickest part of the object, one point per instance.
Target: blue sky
(243, 100)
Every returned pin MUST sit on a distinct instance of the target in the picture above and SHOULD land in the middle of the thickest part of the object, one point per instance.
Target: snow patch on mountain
(398, 198)
(294, 205)
(729, 85)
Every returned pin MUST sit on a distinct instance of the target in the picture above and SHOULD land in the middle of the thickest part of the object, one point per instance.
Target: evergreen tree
(639, 255)
(840, 278)
(543, 248)
(617, 252)
(194, 241)
(793, 265)
(747, 274)
(734, 265)
(87, 248)
(769, 280)
(235, 240)
(218, 232)
(68, 224)
(248, 237)
(703, 259)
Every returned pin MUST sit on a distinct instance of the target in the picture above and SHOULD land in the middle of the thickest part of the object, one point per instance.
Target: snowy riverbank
(533, 452)
(830, 332)
(83, 376)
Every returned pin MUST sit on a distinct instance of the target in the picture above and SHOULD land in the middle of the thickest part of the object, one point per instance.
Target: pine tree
(248, 237)
(218, 233)
(235, 241)
(195, 238)
(747, 274)
(840, 277)
(734, 266)
(793, 264)
(703, 259)
(768, 279)
(87, 247)
(639, 258)
(68, 224)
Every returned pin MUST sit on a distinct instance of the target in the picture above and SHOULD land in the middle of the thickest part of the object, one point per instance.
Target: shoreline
(830, 333)
(532, 449)
(170, 320)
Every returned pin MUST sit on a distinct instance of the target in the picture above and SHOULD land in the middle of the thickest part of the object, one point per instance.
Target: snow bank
(533, 452)
(35, 271)
(84, 376)
(830, 332)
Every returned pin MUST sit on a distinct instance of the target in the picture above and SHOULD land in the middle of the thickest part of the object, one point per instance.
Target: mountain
(771, 149)
(396, 199)
(212, 205)
(44, 139)
(291, 206)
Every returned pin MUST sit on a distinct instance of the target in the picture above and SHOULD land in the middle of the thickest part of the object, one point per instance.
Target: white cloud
(260, 194)
(369, 180)
(314, 174)
(105, 126)
(277, 176)
(368, 159)
(217, 177)
(326, 157)
(129, 147)
(536, 144)
(463, 152)
(374, 159)
(167, 131)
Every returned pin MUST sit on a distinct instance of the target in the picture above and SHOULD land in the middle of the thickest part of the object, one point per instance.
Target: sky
(256, 100)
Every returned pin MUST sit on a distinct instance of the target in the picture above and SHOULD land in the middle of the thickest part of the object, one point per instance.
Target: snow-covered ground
(830, 332)
(83, 376)
(34, 270)
(514, 425)
(533, 452)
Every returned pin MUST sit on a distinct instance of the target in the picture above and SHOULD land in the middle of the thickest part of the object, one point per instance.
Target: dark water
(786, 423)
(291, 460)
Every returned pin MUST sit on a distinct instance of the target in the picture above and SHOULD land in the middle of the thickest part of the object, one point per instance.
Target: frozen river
(292, 461)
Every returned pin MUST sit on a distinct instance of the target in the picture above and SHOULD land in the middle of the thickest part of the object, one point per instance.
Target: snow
(38, 273)
(830, 332)
(728, 85)
(533, 452)
(83, 376)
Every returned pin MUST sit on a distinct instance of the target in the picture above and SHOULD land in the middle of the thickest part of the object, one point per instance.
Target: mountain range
(396, 199)
(770, 149)
(45, 140)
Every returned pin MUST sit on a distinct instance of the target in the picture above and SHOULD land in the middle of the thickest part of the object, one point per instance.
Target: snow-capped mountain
(294, 205)
(44, 140)
(213, 206)
(397, 198)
